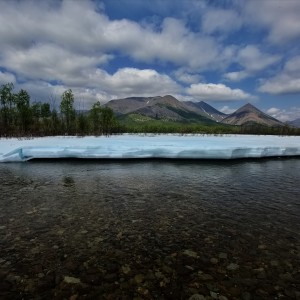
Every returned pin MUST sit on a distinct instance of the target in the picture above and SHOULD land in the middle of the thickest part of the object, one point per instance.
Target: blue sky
(226, 52)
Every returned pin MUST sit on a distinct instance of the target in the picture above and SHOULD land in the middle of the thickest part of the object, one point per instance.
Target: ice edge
(22, 154)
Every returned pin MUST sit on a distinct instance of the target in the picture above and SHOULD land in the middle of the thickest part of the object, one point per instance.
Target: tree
(95, 116)
(24, 113)
(7, 102)
(45, 110)
(67, 109)
(108, 121)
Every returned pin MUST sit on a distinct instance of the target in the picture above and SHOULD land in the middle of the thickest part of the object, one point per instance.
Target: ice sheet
(147, 146)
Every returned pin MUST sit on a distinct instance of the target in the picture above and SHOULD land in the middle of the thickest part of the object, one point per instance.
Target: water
(150, 229)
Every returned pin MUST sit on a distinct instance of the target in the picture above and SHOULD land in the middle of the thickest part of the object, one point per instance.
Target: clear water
(150, 229)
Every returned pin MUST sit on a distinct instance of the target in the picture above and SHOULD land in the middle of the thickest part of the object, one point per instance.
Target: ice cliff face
(161, 146)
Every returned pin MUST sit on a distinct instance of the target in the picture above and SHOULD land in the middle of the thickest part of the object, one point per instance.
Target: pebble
(126, 269)
(190, 253)
(197, 297)
(222, 255)
(139, 278)
(232, 267)
(214, 260)
(205, 277)
(71, 280)
(246, 296)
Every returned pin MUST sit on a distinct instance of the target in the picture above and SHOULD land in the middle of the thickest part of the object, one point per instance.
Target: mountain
(166, 108)
(171, 109)
(249, 114)
(295, 123)
(206, 110)
(161, 107)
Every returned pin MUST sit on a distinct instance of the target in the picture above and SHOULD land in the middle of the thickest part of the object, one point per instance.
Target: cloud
(176, 44)
(64, 44)
(131, 81)
(51, 44)
(284, 114)
(186, 77)
(221, 20)
(50, 62)
(227, 110)
(62, 24)
(286, 82)
(253, 60)
(6, 77)
(236, 76)
(281, 18)
(273, 111)
(103, 86)
(217, 92)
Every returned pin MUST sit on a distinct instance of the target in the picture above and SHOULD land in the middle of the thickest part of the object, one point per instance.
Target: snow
(150, 146)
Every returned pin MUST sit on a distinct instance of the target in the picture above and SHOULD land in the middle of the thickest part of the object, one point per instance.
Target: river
(153, 229)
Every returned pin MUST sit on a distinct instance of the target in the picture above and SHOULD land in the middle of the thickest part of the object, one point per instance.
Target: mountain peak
(249, 107)
(249, 114)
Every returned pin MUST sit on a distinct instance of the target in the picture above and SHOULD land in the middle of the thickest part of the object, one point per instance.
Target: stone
(235, 291)
(246, 296)
(232, 267)
(204, 277)
(190, 253)
(222, 255)
(139, 278)
(274, 263)
(71, 280)
(262, 247)
(286, 277)
(197, 297)
(214, 260)
(126, 269)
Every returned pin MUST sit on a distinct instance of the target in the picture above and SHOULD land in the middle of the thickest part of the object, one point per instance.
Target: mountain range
(171, 109)
(295, 123)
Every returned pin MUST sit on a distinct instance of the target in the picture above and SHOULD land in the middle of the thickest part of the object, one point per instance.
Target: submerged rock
(72, 280)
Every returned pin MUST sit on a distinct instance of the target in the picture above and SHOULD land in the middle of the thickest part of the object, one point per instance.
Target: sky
(226, 52)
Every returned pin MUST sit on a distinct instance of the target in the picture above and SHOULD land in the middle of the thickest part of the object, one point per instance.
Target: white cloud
(186, 77)
(51, 42)
(6, 77)
(131, 81)
(216, 92)
(273, 111)
(236, 76)
(286, 82)
(50, 62)
(176, 44)
(253, 60)
(227, 110)
(65, 26)
(284, 114)
(102, 86)
(221, 20)
(281, 18)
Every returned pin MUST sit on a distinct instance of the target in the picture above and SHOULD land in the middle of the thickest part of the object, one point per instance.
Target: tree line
(19, 117)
